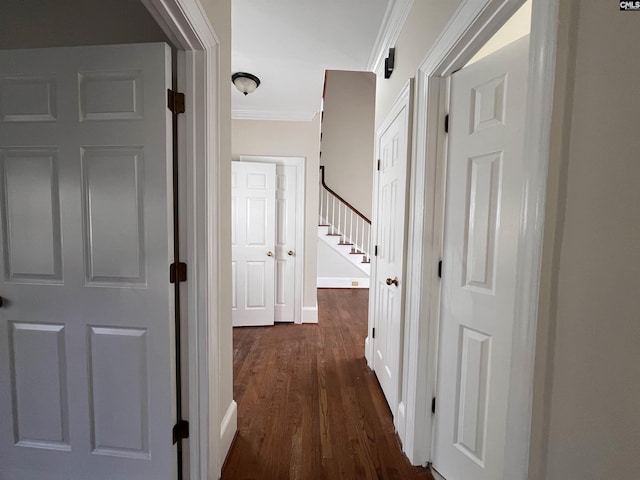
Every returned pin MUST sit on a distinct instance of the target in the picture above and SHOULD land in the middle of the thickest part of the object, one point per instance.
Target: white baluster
(351, 227)
(333, 214)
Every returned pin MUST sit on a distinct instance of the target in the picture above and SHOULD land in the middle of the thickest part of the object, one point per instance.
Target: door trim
(187, 25)
(473, 23)
(299, 162)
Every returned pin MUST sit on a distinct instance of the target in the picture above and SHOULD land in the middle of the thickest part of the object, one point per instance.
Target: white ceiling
(289, 44)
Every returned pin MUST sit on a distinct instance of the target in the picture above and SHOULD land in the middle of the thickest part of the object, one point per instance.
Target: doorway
(279, 280)
(475, 24)
(483, 188)
(188, 28)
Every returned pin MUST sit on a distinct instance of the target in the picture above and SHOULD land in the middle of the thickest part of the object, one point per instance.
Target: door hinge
(440, 269)
(378, 164)
(175, 101)
(180, 430)
(433, 405)
(375, 251)
(373, 333)
(446, 123)
(178, 272)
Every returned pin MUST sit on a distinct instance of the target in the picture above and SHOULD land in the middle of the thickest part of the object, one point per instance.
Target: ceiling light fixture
(245, 82)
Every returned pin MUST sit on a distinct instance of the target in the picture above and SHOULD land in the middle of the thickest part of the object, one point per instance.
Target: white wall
(293, 139)
(426, 20)
(332, 264)
(348, 135)
(588, 390)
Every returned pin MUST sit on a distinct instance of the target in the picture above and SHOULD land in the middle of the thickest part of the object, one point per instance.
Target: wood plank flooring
(309, 408)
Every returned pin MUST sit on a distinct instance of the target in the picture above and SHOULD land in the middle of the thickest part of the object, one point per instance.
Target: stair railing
(344, 220)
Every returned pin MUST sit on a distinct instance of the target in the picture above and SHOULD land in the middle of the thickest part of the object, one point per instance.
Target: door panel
(484, 190)
(390, 227)
(31, 215)
(86, 329)
(253, 235)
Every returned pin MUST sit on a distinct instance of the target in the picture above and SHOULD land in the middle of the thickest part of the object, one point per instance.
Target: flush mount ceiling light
(245, 82)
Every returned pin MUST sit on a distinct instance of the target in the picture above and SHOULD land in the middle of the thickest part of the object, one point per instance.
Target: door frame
(198, 69)
(404, 101)
(299, 163)
(473, 23)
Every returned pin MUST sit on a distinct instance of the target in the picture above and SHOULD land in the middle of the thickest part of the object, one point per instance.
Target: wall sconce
(245, 82)
(389, 62)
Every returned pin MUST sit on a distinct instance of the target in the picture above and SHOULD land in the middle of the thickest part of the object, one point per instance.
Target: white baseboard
(310, 314)
(366, 353)
(228, 428)
(436, 475)
(343, 282)
(400, 422)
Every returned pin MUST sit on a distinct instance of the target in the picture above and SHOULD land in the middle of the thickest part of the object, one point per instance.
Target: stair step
(356, 252)
(334, 234)
(324, 225)
(345, 243)
(365, 261)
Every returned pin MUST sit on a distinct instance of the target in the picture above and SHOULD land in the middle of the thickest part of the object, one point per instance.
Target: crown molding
(286, 116)
(392, 23)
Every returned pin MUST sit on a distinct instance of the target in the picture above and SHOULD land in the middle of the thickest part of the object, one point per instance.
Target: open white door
(253, 194)
(390, 226)
(483, 202)
(86, 349)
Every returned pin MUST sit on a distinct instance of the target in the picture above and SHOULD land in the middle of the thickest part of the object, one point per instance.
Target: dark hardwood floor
(309, 408)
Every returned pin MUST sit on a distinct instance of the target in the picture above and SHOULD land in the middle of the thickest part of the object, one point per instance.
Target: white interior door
(289, 234)
(253, 187)
(86, 350)
(287, 204)
(483, 204)
(390, 227)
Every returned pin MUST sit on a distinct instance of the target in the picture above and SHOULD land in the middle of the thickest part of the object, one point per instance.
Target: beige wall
(426, 20)
(289, 139)
(348, 135)
(66, 23)
(587, 421)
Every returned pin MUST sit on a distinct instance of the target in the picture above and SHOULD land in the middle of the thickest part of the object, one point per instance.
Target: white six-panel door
(483, 201)
(390, 227)
(253, 187)
(86, 350)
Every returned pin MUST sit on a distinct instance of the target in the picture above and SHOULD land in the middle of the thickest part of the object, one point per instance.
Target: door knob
(269, 253)
(392, 282)
(290, 253)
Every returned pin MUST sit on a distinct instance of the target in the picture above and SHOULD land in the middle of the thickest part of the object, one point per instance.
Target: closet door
(253, 238)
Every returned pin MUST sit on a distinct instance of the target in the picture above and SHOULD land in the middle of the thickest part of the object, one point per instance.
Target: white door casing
(253, 193)
(386, 304)
(86, 361)
(289, 240)
(482, 214)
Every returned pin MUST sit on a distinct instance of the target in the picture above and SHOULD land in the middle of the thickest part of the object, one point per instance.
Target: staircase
(347, 232)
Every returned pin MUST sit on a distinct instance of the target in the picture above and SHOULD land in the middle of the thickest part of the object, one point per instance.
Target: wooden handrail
(351, 207)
